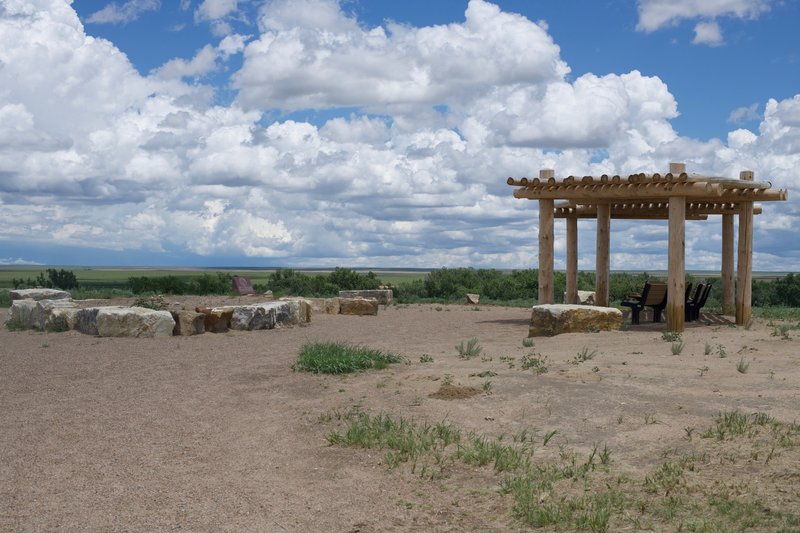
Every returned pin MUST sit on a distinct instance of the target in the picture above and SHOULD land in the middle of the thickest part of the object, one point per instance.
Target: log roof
(645, 195)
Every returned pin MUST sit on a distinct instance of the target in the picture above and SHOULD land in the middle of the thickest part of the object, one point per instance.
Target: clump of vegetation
(527, 342)
(671, 336)
(425, 358)
(156, 302)
(5, 298)
(677, 347)
(340, 358)
(219, 283)
(569, 491)
(536, 362)
(584, 355)
(742, 366)
(470, 349)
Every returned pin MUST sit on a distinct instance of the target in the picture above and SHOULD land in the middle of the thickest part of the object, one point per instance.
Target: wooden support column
(728, 307)
(744, 263)
(676, 283)
(546, 241)
(602, 255)
(572, 261)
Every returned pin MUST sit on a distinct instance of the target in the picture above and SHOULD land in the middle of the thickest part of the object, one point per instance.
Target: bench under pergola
(675, 196)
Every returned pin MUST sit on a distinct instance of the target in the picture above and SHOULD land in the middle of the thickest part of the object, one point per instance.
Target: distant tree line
(444, 285)
(55, 279)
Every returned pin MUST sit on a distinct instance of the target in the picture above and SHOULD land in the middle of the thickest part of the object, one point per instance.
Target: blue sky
(372, 133)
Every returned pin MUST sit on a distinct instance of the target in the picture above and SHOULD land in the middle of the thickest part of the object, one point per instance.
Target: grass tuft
(470, 349)
(340, 358)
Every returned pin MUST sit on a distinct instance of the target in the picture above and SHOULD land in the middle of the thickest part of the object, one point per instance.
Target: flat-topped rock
(133, 322)
(358, 306)
(54, 315)
(39, 294)
(267, 315)
(19, 314)
(384, 296)
(553, 319)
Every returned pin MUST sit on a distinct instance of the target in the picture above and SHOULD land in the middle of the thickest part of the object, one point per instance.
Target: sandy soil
(217, 433)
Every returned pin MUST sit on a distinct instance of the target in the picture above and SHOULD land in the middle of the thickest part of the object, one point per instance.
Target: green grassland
(112, 277)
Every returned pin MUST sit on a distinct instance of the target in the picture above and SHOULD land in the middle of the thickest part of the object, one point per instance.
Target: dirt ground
(217, 433)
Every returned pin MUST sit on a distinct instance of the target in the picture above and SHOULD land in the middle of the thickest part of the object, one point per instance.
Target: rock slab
(39, 294)
(358, 306)
(134, 322)
(554, 319)
(384, 296)
(268, 315)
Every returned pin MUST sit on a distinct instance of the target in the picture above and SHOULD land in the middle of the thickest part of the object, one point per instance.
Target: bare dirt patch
(217, 433)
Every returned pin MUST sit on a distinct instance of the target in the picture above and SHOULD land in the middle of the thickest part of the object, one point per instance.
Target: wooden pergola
(676, 197)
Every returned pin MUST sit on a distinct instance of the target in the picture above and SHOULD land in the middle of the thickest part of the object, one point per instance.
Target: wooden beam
(744, 264)
(623, 191)
(602, 256)
(726, 275)
(572, 261)
(546, 242)
(676, 283)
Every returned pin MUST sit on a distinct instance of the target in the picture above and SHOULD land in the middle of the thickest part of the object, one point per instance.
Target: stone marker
(134, 322)
(39, 294)
(473, 298)
(553, 319)
(242, 286)
(188, 323)
(384, 296)
(358, 306)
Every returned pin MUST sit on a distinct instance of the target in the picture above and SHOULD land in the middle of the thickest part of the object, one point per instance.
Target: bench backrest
(654, 293)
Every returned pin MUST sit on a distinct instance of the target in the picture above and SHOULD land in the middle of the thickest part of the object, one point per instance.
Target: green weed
(339, 358)
(470, 349)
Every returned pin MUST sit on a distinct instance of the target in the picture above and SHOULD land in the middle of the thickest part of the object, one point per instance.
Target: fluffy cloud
(657, 14)
(93, 154)
(315, 56)
(708, 33)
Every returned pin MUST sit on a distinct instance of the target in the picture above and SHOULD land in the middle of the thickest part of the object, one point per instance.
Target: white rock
(133, 322)
(20, 314)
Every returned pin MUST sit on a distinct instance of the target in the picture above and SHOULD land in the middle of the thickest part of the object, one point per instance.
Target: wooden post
(744, 263)
(602, 256)
(572, 261)
(676, 283)
(728, 307)
(546, 241)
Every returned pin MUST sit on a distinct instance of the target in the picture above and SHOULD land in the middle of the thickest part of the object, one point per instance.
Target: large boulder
(39, 294)
(54, 315)
(188, 323)
(384, 296)
(358, 306)
(20, 314)
(268, 315)
(328, 306)
(553, 319)
(86, 320)
(216, 319)
(305, 308)
(134, 322)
